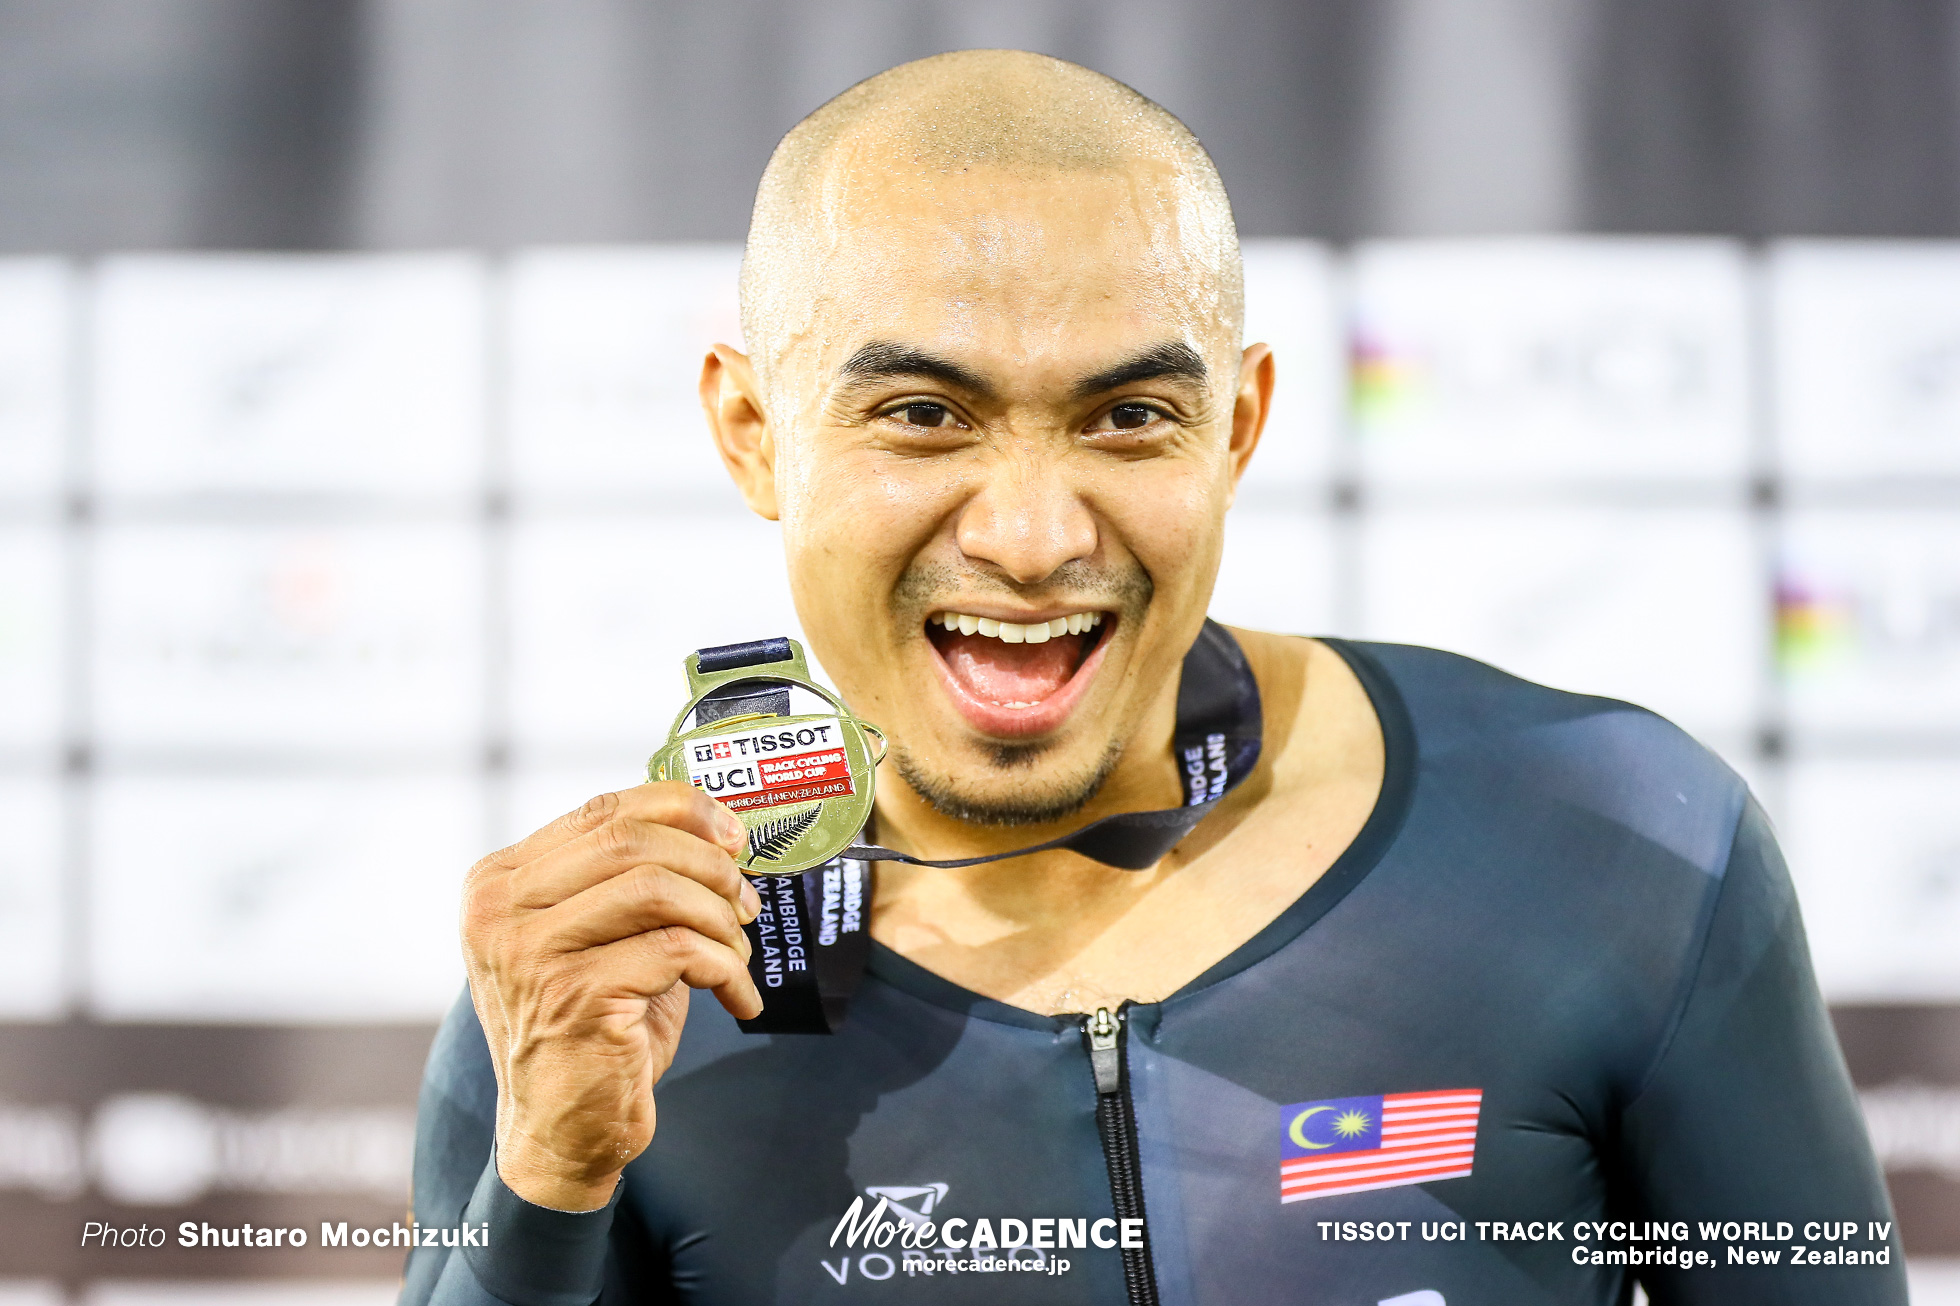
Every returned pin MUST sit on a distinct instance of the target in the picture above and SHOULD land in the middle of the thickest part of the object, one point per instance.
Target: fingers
(618, 848)
(740, 999)
(670, 825)
(668, 802)
(635, 902)
(647, 965)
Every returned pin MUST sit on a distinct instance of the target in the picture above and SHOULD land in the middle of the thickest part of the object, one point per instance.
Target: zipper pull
(1104, 1057)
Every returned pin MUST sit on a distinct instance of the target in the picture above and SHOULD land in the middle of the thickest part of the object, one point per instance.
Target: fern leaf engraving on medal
(772, 839)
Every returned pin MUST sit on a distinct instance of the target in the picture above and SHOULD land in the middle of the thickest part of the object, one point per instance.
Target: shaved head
(981, 114)
(995, 388)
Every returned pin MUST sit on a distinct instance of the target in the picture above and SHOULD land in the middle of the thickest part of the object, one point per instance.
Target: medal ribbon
(812, 940)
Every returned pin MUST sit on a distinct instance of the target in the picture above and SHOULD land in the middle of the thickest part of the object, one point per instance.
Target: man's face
(1003, 450)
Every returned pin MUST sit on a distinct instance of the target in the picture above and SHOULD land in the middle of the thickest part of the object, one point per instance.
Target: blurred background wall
(346, 416)
(306, 124)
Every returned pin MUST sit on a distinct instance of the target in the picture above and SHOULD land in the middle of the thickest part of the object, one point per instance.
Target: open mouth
(1017, 678)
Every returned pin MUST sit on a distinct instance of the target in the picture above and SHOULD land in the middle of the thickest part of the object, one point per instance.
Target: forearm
(529, 1255)
(457, 1187)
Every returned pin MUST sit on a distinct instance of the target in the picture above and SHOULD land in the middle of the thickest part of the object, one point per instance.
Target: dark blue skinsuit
(1559, 900)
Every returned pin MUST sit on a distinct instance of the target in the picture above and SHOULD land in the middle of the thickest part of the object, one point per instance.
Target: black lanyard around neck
(812, 939)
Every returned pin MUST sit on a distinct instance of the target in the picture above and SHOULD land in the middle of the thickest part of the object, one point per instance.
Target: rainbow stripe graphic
(1816, 627)
(1384, 383)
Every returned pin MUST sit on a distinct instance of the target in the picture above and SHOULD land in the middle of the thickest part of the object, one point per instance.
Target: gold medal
(803, 784)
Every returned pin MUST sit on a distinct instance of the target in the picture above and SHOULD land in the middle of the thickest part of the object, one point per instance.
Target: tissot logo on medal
(771, 767)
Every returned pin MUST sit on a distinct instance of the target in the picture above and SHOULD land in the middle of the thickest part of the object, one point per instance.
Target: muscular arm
(581, 943)
(1749, 1113)
(535, 1256)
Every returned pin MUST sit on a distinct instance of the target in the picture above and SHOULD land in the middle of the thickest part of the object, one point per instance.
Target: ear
(739, 423)
(1249, 410)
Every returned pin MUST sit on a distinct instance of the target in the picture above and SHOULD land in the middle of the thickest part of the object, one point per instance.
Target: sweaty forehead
(1014, 264)
(987, 186)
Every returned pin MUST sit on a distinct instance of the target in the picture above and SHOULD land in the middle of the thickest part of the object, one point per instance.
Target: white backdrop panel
(279, 899)
(31, 917)
(30, 639)
(1866, 339)
(1660, 607)
(276, 638)
(31, 1292)
(1504, 362)
(1874, 847)
(35, 299)
(290, 374)
(605, 357)
(1868, 611)
(1932, 1281)
(1278, 571)
(1290, 305)
(604, 610)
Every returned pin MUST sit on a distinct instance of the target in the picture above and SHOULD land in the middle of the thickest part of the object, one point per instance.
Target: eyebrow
(1172, 358)
(884, 360)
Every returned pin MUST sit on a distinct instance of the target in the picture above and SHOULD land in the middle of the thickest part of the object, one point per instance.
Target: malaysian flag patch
(1353, 1144)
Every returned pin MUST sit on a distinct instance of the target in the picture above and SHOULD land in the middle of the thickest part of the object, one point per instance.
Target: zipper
(1116, 1122)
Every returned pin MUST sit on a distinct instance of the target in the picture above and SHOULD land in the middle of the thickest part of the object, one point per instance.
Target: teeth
(1014, 632)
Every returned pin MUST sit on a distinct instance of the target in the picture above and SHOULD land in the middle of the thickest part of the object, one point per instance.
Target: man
(1460, 958)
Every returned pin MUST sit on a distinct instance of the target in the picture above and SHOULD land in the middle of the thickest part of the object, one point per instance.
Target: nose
(1027, 519)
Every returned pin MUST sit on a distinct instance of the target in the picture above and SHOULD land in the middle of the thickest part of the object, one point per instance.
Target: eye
(1132, 417)
(928, 415)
